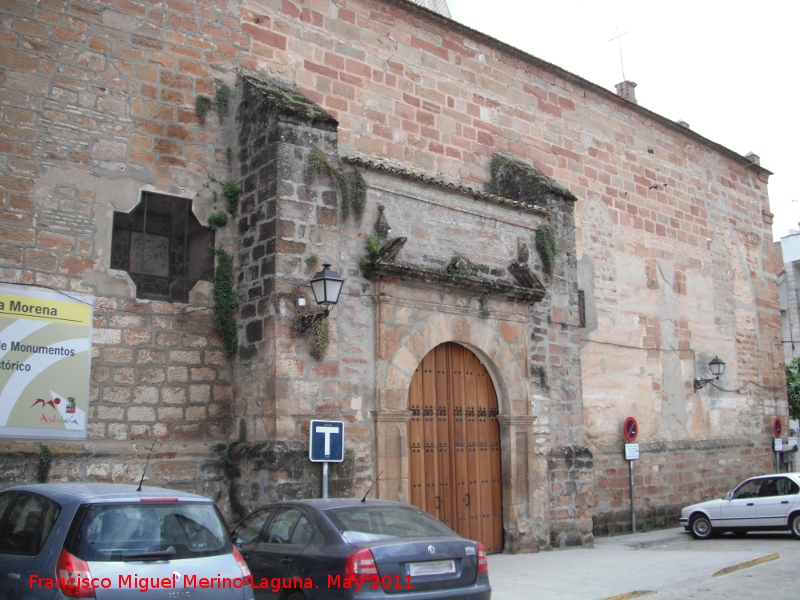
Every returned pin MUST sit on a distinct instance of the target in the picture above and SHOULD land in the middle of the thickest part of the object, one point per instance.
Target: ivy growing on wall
(44, 463)
(540, 373)
(350, 185)
(225, 303)
(220, 103)
(546, 247)
(353, 189)
(317, 334)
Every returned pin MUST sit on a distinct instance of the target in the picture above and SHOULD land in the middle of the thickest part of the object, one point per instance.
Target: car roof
(104, 492)
(794, 476)
(326, 503)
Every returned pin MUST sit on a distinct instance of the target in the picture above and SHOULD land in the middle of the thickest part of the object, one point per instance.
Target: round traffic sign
(630, 428)
(776, 427)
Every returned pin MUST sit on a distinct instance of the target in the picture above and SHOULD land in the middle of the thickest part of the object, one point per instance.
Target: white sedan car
(766, 503)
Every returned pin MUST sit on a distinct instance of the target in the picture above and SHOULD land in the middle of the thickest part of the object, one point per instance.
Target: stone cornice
(458, 186)
(483, 287)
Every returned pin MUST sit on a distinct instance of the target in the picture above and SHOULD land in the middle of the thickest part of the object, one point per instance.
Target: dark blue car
(334, 549)
(116, 542)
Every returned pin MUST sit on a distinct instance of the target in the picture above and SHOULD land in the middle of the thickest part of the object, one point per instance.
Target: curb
(630, 595)
(746, 565)
(657, 542)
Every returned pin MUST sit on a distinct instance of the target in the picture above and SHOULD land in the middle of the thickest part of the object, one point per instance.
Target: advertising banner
(45, 361)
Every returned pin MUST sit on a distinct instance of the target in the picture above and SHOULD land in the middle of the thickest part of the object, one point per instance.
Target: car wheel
(795, 523)
(701, 527)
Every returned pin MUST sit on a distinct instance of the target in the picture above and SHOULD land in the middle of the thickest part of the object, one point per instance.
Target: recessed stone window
(163, 247)
(581, 309)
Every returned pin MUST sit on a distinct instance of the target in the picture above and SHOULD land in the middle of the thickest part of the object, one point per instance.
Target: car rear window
(372, 523)
(173, 530)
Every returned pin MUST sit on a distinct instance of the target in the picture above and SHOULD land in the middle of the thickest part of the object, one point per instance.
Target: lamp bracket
(701, 383)
(306, 321)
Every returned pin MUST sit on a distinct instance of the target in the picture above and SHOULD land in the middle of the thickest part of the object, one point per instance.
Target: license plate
(434, 567)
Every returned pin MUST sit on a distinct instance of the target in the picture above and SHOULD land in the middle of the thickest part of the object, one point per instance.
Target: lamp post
(717, 368)
(326, 285)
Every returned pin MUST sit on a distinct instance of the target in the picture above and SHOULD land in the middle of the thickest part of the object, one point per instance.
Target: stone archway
(501, 345)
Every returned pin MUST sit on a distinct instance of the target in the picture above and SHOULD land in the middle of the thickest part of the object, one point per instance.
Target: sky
(731, 69)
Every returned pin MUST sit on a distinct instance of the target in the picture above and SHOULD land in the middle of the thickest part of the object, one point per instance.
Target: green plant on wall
(373, 249)
(231, 191)
(540, 373)
(317, 164)
(546, 247)
(319, 339)
(225, 303)
(317, 334)
(220, 103)
(222, 97)
(793, 387)
(373, 245)
(44, 463)
(353, 188)
(351, 185)
(202, 105)
(217, 220)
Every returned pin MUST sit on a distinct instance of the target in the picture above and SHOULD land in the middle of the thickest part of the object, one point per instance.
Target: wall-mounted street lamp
(717, 368)
(326, 285)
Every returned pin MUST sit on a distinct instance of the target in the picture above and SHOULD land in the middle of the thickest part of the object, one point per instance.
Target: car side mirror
(729, 496)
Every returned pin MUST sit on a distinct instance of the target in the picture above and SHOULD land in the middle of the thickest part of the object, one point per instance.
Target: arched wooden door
(454, 445)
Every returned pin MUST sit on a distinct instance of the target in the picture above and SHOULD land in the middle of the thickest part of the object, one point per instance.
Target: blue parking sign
(326, 441)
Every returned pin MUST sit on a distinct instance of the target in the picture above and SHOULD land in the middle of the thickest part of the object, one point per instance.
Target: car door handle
(13, 575)
(784, 502)
(751, 504)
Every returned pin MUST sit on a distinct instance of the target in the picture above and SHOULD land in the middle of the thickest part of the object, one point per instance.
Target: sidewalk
(617, 566)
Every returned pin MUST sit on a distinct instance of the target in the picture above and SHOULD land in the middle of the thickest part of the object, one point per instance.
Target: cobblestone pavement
(668, 565)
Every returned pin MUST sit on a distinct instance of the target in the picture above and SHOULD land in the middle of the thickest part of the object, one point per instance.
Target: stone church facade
(584, 255)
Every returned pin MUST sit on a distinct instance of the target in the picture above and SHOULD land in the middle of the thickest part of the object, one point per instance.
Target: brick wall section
(109, 89)
(669, 476)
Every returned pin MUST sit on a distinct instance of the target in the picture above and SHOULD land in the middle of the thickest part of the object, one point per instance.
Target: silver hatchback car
(107, 541)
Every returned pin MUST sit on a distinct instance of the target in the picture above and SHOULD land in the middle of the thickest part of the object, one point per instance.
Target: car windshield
(373, 523)
(149, 530)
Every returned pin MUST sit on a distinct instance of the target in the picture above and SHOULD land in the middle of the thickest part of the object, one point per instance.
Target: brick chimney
(626, 90)
(753, 158)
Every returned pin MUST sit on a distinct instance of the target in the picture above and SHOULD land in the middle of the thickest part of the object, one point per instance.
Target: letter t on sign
(327, 431)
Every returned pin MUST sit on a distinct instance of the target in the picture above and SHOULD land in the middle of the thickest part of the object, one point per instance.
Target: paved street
(669, 564)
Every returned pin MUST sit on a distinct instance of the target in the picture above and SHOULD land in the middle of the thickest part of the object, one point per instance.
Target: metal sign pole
(633, 497)
(325, 480)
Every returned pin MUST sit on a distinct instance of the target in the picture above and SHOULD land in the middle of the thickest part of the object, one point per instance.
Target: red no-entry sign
(776, 427)
(630, 428)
